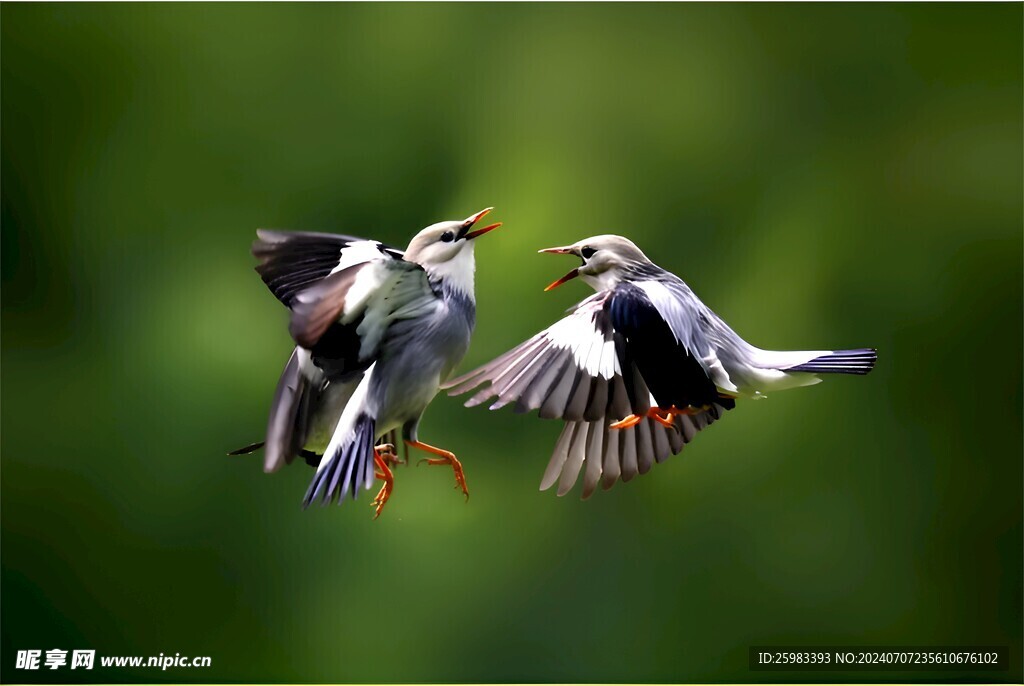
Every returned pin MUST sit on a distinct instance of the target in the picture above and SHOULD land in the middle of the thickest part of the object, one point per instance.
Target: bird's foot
(383, 473)
(389, 454)
(444, 458)
(665, 417)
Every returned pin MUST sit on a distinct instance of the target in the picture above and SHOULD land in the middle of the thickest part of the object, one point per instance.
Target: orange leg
(381, 453)
(663, 417)
(630, 421)
(445, 457)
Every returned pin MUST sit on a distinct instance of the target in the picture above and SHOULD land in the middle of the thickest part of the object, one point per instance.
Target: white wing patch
(371, 279)
(591, 352)
(358, 252)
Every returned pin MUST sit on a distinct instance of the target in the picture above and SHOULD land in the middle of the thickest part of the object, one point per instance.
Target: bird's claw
(389, 454)
(382, 497)
(460, 476)
(445, 458)
(664, 417)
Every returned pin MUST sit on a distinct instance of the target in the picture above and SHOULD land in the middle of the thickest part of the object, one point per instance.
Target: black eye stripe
(447, 236)
(587, 252)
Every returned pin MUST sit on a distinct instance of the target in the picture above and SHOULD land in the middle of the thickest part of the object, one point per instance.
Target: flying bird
(376, 330)
(637, 369)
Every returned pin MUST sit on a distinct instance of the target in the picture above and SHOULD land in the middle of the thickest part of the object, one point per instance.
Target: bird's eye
(447, 236)
(587, 252)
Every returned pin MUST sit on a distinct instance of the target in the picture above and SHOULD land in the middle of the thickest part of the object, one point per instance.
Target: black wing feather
(674, 376)
(291, 261)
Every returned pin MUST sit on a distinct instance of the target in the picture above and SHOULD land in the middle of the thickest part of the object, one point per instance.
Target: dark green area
(823, 176)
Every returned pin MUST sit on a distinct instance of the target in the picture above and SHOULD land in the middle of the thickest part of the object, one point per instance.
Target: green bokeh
(823, 176)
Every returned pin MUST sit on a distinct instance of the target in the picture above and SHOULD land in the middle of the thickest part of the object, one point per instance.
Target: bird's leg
(630, 421)
(664, 417)
(383, 472)
(665, 421)
(445, 457)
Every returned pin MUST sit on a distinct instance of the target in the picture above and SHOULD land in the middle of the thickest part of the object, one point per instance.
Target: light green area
(823, 176)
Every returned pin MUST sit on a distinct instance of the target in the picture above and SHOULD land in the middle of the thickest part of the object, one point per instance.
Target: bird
(636, 369)
(376, 331)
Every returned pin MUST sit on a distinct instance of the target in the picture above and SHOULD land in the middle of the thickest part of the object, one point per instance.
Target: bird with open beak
(637, 369)
(376, 330)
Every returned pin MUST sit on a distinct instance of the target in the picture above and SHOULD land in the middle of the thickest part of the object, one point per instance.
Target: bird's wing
(665, 340)
(343, 292)
(346, 315)
(291, 261)
(699, 330)
(605, 359)
(604, 456)
(571, 370)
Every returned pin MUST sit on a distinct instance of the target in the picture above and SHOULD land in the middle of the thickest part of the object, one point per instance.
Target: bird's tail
(286, 425)
(858, 361)
(347, 464)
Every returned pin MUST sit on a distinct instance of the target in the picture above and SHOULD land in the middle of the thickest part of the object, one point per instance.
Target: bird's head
(606, 259)
(445, 250)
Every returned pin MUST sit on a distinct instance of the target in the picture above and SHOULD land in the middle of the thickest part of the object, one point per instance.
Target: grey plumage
(643, 340)
(376, 331)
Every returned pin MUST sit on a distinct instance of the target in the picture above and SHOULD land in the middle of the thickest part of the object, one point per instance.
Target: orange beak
(565, 250)
(480, 232)
(568, 277)
(473, 219)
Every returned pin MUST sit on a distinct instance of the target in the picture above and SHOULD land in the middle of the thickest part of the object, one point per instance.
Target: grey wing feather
(558, 457)
(574, 461)
(599, 437)
(558, 398)
(611, 455)
(644, 446)
(564, 371)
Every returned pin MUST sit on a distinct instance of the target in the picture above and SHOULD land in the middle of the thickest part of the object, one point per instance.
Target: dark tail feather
(348, 469)
(311, 458)
(859, 361)
(291, 389)
(251, 448)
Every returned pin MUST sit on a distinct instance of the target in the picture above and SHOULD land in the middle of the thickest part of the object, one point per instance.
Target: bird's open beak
(473, 219)
(568, 277)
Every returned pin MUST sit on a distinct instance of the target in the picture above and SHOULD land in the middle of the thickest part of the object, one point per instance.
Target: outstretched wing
(612, 356)
(616, 354)
(571, 370)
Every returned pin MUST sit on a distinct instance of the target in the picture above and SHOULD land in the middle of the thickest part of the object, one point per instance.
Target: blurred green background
(823, 176)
